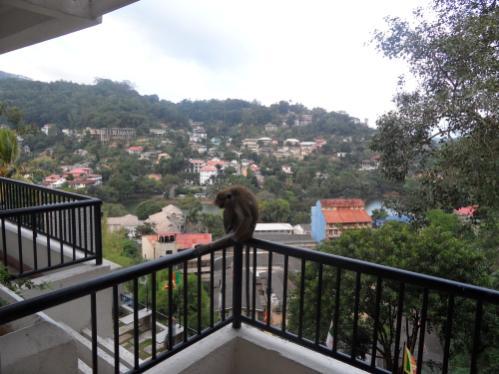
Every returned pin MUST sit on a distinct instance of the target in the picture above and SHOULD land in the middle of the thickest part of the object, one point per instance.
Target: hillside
(118, 104)
(4, 75)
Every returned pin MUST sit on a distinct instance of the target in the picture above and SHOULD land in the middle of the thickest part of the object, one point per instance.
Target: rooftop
(346, 216)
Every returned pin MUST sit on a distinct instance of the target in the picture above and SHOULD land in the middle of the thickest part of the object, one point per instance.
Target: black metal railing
(44, 229)
(350, 310)
(364, 313)
(176, 295)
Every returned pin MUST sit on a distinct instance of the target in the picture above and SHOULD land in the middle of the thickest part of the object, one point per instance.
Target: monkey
(239, 217)
(240, 211)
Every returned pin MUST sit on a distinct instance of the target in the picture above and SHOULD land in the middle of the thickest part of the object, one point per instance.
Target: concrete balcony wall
(248, 351)
(12, 241)
(76, 313)
(36, 344)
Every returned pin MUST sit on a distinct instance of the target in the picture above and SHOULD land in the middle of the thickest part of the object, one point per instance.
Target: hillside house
(164, 244)
(331, 217)
(128, 222)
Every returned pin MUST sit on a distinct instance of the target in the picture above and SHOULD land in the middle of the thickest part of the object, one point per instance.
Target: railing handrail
(42, 188)
(383, 271)
(48, 208)
(42, 302)
(39, 303)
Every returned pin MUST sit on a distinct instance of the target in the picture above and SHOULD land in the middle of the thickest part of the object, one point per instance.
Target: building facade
(331, 217)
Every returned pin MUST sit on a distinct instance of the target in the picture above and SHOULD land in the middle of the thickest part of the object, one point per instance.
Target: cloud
(314, 52)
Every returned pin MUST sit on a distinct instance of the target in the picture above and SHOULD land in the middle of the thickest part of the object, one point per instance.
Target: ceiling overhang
(27, 22)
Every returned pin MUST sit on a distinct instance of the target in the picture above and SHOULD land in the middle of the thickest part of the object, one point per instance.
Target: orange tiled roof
(184, 240)
(346, 216)
(342, 203)
(190, 240)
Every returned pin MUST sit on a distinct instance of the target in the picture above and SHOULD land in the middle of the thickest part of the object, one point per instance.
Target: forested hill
(117, 104)
(4, 75)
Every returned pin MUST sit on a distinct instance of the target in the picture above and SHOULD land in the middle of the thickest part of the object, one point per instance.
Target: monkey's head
(223, 198)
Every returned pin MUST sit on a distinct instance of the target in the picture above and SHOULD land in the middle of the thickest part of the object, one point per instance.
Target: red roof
(466, 211)
(346, 216)
(207, 168)
(185, 240)
(136, 148)
(80, 171)
(342, 203)
(190, 240)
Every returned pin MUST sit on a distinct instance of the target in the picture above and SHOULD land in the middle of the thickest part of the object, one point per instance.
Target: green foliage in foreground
(145, 289)
(118, 248)
(445, 248)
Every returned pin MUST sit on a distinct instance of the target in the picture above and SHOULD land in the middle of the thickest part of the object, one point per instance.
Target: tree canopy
(445, 132)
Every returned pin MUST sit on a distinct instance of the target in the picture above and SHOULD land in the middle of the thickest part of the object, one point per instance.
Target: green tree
(114, 210)
(212, 223)
(276, 210)
(445, 131)
(192, 207)
(9, 152)
(148, 207)
(442, 248)
(379, 214)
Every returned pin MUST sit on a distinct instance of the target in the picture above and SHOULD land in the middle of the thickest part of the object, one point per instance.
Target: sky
(314, 52)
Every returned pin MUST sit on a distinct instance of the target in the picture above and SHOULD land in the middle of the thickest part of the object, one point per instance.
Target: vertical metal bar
(73, 232)
(302, 297)
(400, 310)
(476, 337)
(199, 289)
(78, 223)
(91, 225)
(379, 290)
(116, 330)
(253, 312)
(422, 331)
(336, 310)
(247, 283)
(284, 292)
(9, 196)
(269, 290)
(93, 312)
(237, 285)
(448, 331)
(61, 240)
(186, 301)
(98, 234)
(20, 246)
(85, 230)
(65, 227)
(212, 291)
(48, 226)
(318, 306)
(170, 308)
(153, 311)
(135, 323)
(355, 316)
(35, 249)
(4, 244)
(224, 261)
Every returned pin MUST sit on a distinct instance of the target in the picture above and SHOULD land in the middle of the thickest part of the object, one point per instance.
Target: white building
(283, 228)
(206, 174)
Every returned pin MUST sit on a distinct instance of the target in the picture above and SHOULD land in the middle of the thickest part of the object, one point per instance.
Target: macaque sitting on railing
(240, 217)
